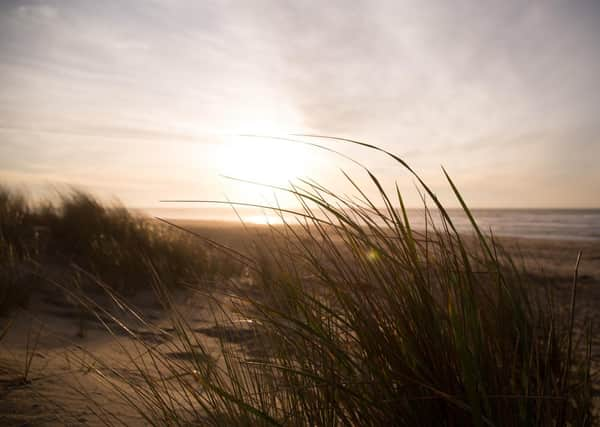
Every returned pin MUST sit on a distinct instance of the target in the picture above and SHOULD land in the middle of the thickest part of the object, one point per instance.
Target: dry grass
(59, 241)
(357, 319)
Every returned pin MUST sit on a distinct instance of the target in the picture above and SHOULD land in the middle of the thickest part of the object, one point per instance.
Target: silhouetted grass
(116, 246)
(14, 217)
(361, 320)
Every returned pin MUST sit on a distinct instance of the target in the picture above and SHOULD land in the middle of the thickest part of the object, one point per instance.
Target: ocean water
(560, 224)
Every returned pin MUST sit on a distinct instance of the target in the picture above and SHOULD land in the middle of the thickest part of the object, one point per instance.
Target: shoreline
(234, 223)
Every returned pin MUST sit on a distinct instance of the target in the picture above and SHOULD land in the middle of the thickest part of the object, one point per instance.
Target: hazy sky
(134, 98)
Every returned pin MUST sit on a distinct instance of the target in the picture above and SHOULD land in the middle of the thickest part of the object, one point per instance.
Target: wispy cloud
(468, 84)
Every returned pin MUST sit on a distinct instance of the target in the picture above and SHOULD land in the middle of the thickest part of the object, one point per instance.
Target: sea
(555, 224)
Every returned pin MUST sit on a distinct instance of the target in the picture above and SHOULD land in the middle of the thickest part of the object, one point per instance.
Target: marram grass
(53, 240)
(359, 320)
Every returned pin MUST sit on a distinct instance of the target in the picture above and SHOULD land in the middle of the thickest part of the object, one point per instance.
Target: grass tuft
(77, 232)
(359, 319)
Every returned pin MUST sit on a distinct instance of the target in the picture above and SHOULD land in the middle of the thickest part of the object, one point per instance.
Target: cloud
(36, 12)
(470, 83)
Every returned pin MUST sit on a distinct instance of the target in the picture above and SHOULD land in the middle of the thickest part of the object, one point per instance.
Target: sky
(143, 100)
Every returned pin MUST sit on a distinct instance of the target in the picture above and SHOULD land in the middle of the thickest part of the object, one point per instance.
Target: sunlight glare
(263, 219)
(264, 160)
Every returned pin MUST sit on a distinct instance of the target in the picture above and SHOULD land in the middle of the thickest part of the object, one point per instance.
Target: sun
(262, 159)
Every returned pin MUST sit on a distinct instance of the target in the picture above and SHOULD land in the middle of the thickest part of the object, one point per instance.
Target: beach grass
(352, 317)
(77, 233)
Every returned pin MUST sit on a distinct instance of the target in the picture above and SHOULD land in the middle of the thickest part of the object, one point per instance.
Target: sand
(62, 386)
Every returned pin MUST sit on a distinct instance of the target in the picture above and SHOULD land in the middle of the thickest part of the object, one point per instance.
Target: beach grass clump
(122, 249)
(108, 242)
(359, 319)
